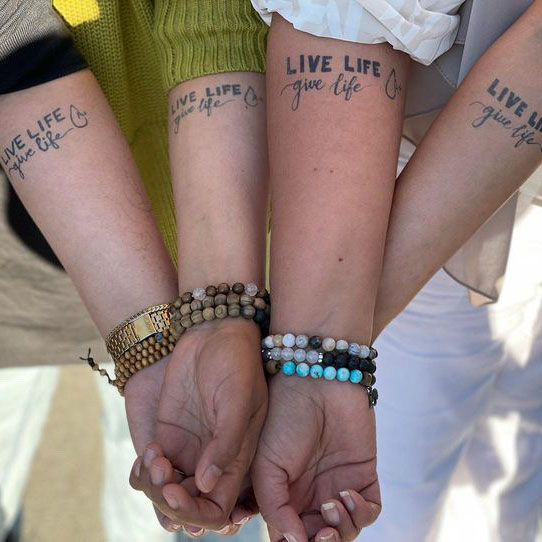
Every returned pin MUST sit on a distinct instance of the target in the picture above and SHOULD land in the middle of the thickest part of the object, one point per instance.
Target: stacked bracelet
(218, 302)
(321, 358)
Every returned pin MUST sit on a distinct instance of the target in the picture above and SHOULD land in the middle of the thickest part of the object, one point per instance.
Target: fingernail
(242, 521)
(137, 468)
(171, 501)
(148, 456)
(175, 526)
(157, 475)
(348, 500)
(330, 513)
(224, 530)
(326, 538)
(196, 531)
(210, 477)
(290, 537)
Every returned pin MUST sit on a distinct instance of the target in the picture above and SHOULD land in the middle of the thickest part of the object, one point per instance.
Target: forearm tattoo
(211, 99)
(45, 135)
(510, 113)
(349, 77)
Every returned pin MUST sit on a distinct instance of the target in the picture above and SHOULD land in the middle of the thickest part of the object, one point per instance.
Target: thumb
(271, 487)
(223, 449)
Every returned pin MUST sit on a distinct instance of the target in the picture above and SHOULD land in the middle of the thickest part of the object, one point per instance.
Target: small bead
(209, 301)
(208, 314)
(300, 355)
(312, 357)
(373, 354)
(277, 339)
(152, 340)
(289, 368)
(234, 310)
(276, 353)
(133, 351)
(365, 351)
(186, 321)
(328, 344)
(354, 349)
(272, 367)
(288, 340)
(185, 309)
(196, 305)
(171, 347)
(259, 303)
(302, 370)
(172, 339)
(238, 288)
(251, 289)
(221, 311)
(315, 342)
(211, 291)
(159, 337)
(368, 365)
(287, 354)
(144, 362)
(157, 356)
(145, 353)
(341, 346)
(353, 362)
(260, 317)
(262, 293)
(145, 344)
(302, 341)
(139, 357)
(232, 298)
(328, 359)
(330, 373)
(221, 299)
(341, 360)
(366, 380)
(165, 333)
(248, 312)
(197, 317)
(245, 299)
(356, 376)
(164, 351)
(198, 294)
(317, 371)
(186, 297)
(373, 397)
(268, 342)
(151, 351)
(373, 380)
(223, 288)
(266, 354)
(177, 303)
(343, 375)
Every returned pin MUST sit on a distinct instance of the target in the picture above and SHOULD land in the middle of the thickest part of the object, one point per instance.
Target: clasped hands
(216, 445)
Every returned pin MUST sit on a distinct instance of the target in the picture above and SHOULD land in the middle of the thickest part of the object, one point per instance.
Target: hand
(213, 402)
(318, 440)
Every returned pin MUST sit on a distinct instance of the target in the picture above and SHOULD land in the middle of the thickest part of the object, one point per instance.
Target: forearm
(481, 148)
(218, 152)
(334, 135)
(72, 168)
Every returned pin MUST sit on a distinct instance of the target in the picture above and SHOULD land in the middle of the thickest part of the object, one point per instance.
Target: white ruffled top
(425, 29)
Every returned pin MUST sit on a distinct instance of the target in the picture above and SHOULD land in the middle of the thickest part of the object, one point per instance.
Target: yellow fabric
(140, 50)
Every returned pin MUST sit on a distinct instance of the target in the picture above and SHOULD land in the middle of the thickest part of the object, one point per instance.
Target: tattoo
(211, 99)
(43, 136)
(513, 107)
(393, 88)
(352, 75)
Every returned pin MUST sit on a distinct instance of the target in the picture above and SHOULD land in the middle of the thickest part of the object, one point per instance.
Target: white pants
(459, 422)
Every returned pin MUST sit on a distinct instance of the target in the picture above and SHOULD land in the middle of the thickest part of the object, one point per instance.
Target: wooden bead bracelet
(218, 302)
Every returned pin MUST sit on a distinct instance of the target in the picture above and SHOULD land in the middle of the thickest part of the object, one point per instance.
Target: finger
(337, 516)
(228, 436)
(184, 508)
(362, 511)
(327, 535)
(166, 523)
(271, 486)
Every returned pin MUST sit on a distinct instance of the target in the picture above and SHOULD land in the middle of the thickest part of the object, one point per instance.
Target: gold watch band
(145, 323)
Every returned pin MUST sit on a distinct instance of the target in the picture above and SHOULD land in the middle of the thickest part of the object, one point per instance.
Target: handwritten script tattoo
(513, 107)
(352, 76)
(392, 88)
(211, 99)
(44, 135)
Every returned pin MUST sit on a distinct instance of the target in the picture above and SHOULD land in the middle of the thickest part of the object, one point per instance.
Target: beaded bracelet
(206, 304)
(327, 358)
